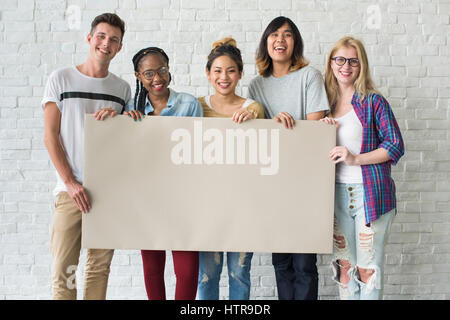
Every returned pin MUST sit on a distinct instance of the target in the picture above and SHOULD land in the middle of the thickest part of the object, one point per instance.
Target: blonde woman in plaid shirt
(368, 142)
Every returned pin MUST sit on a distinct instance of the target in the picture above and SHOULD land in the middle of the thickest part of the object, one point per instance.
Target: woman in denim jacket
(153, 97)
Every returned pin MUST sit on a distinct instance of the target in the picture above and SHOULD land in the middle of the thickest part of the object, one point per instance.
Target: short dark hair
(264, 61)
(111, 19)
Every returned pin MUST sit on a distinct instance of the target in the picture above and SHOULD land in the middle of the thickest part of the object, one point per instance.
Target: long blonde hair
(363, 84)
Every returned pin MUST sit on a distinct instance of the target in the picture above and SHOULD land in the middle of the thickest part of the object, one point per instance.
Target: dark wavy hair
(141, 92)
(264, 61)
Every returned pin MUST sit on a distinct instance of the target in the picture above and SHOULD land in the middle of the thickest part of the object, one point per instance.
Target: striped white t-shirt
(76, 94)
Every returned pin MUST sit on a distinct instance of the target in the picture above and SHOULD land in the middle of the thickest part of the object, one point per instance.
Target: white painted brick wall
(409, 55)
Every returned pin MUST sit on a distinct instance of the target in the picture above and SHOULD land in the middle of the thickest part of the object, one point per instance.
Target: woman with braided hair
(154, 98)
(224, 70)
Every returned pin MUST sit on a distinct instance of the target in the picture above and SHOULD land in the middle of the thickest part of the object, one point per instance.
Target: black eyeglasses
(149, 74)
(340, 61)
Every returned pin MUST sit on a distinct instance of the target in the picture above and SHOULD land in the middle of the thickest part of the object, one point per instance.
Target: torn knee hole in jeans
(366, 243)
(340, 245)
(241, 262)
(339, 241)
(339, 266)
(348, 288)
(373, 281)
(365, 240)
(217, 257)
(205, 278)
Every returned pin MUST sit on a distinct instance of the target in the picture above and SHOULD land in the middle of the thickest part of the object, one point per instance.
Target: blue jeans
(210, 268)
(296, 275)
(357, 245)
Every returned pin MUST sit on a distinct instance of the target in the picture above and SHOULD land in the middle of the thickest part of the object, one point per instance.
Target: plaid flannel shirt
(380, 130)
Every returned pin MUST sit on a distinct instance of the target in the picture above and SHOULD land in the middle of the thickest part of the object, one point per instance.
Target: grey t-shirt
(299, 93)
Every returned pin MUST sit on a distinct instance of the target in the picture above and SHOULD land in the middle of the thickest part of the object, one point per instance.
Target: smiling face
(280, 44)
(105, 42)
(156, 86)
(346, 75)
(224, 75)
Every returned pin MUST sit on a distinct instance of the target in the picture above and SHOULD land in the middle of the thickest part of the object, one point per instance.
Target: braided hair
(225, 47)
(141, 93)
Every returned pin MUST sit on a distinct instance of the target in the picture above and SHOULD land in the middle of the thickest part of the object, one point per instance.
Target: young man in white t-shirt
(71, 93)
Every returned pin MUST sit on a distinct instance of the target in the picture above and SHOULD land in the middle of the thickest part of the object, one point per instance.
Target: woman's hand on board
(242, 115)
(329, 121)
(286, 119)
(134, 114)
(342, 154)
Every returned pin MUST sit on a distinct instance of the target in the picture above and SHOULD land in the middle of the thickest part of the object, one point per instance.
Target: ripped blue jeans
(210, 268)
(357, 246)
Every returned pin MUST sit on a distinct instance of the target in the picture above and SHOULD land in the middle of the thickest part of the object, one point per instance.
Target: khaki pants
(65, 248)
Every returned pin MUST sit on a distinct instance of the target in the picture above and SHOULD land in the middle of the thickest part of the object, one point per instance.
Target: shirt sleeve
(128, 100)
(52, 92)
(197, 110)
(316, 96)
(251, 93)
(387, 129)
(254, 95)
(130, 105)
(258, 108)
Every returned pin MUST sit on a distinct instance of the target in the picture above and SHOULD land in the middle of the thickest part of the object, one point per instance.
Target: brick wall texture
(408, 43)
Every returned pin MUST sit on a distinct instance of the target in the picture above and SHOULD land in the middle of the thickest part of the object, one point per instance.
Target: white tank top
(349, 134)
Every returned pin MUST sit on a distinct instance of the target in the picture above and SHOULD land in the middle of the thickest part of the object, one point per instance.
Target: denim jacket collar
(172, 99)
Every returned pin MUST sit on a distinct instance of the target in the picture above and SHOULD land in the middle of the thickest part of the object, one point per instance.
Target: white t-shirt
(349, 134)
(246, 103)
(76, 94)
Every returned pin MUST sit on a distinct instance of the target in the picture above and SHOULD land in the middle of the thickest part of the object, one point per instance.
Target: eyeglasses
(149, 74)
(340, 61)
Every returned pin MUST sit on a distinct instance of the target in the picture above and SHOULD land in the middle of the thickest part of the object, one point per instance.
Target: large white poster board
(208, 184)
